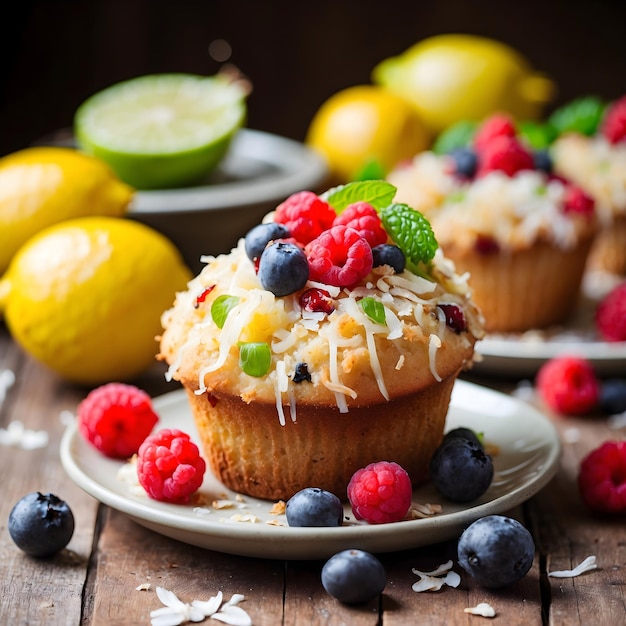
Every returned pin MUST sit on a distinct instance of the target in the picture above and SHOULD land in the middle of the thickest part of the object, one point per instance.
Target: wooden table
(95, 580)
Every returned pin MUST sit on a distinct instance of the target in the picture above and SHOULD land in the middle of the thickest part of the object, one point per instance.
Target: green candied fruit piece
(255, 358)
(373, 309)
(411, 232)
(221, 307)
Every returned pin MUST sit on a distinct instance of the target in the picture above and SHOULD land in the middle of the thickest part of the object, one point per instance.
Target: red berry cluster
(338, 247)
(614, 123)
(610, 315)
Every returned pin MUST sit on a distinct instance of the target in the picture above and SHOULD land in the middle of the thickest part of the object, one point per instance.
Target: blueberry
(314, 507)
(301, 373)
(543, 161)
(460, 470)
(496, 551)
(259, 236)
(613, 396)
(354, 576)
(464, 433)
(41, 524)
(283, 269)
(465, 162)
(386, 254)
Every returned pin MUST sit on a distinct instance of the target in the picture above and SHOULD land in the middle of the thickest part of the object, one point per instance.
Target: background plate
(528, 457)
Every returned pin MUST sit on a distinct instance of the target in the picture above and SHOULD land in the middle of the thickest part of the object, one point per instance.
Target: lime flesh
(161, 130)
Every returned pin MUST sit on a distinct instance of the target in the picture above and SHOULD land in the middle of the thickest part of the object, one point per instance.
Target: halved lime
(162, 130)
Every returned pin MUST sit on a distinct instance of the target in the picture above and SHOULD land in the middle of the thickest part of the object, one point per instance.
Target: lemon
(42, 186)
(162, 130)
(364, 127)
(85, 297)
(455, 77)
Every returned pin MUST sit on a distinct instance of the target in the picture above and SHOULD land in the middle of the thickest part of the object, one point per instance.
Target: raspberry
(610, 315)
(305, 215)
(339, 257)
(380, 493)
(568, 385)
(498, 125)
(602, 478)
(614, 124)
(506, 154)
(169, 466)
(116, 418)
(362, 216)
(577, 201)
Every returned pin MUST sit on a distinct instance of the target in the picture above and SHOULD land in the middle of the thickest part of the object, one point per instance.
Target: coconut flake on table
(435, 580)
(18, 436)
(482, 609)
(587, 565)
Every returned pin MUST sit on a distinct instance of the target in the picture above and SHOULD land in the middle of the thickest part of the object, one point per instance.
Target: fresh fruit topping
(455, 318)
(41, 524)
(610, 315)
(200, 298)
(612, 399)
(461, 470)
(462, 432)
(380, 493)
(363, 217)
(389, 254)
(305, 215)
(486, 245)
(543, 161)
(301, 373)
(317, 301)
(459, 135)
(221, 307)
(495, 126)
(465, 162)
(340, 256)
(169, 466)
(577, 201)
(378, 193)
(602, 478)
(496, 551)
(354, 576)
(116, 418)
(163, 130)
(505, 154)
(314, 507)
(411, 232)
(582, 115)
(258, 237)
(283, 269)
(255, 358)
(568, 385)
(614, 123)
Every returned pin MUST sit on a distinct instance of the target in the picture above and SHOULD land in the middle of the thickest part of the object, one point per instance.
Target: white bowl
(259, 172)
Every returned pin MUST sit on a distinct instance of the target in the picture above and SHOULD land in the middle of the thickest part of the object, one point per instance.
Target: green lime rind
(582, 115)
(411, 232)
(255, 358)
(378, 193)
(161, 130)
(459, 135)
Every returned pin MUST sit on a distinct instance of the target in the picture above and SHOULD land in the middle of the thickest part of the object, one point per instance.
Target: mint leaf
(458, 135)
(582, 115)
(221, 307)
(372, 170)
(538, 136)
(378, 193)
(373, 309)
(411, 232)
(255, 358)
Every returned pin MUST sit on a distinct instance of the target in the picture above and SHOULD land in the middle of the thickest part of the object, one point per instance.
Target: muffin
(312, 350)
(522, 234)
(598, 164)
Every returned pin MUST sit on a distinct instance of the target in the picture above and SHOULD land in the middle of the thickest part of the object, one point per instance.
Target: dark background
(55, 53)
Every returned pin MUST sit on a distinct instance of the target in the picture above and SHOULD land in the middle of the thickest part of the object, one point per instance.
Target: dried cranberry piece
(317, 300)
(486, 245)
(455, 319)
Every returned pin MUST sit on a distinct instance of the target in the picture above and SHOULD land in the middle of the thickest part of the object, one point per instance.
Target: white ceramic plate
(523, 354)
(528, 457)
